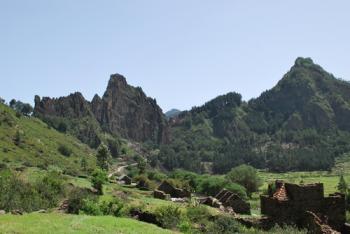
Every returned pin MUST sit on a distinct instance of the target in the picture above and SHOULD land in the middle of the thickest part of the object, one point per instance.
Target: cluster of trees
(20, 107)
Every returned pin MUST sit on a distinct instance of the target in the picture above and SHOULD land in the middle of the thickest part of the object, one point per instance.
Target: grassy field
(38, 144)
(66, 224)
(330, 181)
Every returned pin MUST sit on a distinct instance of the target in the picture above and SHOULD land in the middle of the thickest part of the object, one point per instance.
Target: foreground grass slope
(66, 224)
(27, 141)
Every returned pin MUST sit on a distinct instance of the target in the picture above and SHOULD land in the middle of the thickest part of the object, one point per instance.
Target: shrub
(64, 150)
(212, 185)
(198, 213)
(90, 207)
(50, 187)
(168, 216)
(76, 200)
(17, 194)
(144, 182)
(246, 176)
(17, 138)
(224, 225)
(113, 207)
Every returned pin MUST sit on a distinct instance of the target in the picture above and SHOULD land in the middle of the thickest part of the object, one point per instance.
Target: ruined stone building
(292, 204)
(228, 199)
(167, 190)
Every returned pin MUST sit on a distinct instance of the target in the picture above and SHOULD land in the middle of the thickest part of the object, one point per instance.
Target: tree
(103, 157)
(141, 164)
(83, 164)
(246, 176)
(12, 103)
(26, 109)
(98, 179)
(342, 185)
(2, 101)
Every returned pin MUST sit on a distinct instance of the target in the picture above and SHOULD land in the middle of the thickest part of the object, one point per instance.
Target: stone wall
(303, 198)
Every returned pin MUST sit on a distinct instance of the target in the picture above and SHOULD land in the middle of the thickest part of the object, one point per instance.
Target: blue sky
(183, 52)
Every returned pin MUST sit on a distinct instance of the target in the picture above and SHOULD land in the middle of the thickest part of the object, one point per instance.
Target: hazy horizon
(182, 53)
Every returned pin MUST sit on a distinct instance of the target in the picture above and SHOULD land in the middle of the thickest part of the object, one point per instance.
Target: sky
(183, 52)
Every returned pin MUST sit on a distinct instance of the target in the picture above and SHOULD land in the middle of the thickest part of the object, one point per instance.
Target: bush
(91, 207)
(144, 182)
(168, 216)
(198, 213)
(224, 225)
(76, 200)
(246, 176)
(16, 194)
(50, 187)
(64, 150)
(212, 185)
(113, 207)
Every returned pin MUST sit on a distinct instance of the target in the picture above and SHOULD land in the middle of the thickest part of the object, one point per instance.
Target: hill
(300, 124)
(29, 142)
(172, 113)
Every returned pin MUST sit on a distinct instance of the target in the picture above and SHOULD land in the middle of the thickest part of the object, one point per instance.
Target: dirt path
(120, 169)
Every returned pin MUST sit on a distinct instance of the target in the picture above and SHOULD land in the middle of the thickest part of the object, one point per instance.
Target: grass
(66, 224)
(329, 180)
(38, 145)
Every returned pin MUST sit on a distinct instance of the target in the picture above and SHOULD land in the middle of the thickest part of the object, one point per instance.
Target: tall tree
(103, 156)
(342, 185)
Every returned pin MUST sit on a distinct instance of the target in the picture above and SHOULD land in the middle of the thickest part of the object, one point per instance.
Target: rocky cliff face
(123, 110)
(127, 111)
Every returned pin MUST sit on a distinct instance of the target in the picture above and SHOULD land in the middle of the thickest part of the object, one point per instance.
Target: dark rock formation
(122, 111)
(291, 205)
(127, 111)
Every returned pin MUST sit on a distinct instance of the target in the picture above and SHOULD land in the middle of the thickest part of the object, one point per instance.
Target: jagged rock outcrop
(123, 110)
(126, 110)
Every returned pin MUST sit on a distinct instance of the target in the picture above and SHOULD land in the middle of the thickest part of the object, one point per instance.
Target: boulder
(2, 212)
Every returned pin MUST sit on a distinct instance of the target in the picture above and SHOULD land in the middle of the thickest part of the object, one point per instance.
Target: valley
(64, 163)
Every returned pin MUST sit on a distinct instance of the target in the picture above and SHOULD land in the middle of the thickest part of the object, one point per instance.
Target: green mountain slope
(300, 124)
(27, 141)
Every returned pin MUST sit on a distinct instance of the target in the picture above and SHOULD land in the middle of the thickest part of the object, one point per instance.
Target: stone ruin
(304, 206)
(227, 199)
(166, 191)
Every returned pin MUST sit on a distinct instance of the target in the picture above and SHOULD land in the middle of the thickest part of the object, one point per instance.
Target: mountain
(172, 113)
(300, 124)
(29, 142)
(123, 111)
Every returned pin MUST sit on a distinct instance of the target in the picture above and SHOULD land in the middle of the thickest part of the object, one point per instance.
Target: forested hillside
(300, 124)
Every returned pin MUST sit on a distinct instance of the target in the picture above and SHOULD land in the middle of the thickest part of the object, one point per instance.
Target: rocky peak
(123, 110)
